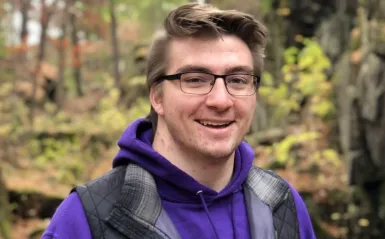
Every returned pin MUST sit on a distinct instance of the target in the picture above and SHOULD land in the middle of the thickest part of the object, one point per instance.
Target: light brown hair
(203, 21)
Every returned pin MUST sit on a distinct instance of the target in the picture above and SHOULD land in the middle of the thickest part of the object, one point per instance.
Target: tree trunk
(76, 61)
(115, 46)
(24, 7)
(21, 58)
(46, 14)
(44, 24)
(4, 209)
(62, 60)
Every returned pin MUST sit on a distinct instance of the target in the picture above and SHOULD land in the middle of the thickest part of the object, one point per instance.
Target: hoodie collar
(174, 184)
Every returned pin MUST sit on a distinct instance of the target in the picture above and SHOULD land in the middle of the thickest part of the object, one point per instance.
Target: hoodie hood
(174, 184)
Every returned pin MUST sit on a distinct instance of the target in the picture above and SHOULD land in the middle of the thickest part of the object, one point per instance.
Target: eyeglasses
(199, 83)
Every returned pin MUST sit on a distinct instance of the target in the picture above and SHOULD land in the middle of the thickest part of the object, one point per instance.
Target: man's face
(192, 123)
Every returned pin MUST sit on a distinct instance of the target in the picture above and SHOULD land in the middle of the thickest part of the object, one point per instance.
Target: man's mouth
(216, 125)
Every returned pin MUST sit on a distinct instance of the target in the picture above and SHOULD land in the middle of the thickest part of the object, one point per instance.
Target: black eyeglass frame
(256, 81)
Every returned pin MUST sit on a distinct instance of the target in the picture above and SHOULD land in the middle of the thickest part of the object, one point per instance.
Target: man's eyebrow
(193, 68)
(235, 69)
(239, 69)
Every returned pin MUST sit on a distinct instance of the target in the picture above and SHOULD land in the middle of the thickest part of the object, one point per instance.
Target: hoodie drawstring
(232, 214)
(200, 194)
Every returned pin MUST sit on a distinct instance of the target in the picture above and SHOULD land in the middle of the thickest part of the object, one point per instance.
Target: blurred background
(72, 78)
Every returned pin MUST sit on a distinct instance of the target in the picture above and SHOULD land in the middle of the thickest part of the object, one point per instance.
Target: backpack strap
(125, 204)
(275, 192)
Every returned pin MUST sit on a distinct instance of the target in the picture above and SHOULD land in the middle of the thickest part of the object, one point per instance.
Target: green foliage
(79, 5)
(330, 155)
(286, 153)
(109, 116)
(137, 80)
(139, 109)
(304, 77)
(5, 89)
(280, 97)
(112, 117)
(266, 6)
(68, 146)
(84, 138)
(12, 109)
(282, 150)
(3, 50)
(65, 155)
(304, 80)
(5, 210)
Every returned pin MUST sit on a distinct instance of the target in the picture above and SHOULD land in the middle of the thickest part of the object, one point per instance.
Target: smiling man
(185, 172)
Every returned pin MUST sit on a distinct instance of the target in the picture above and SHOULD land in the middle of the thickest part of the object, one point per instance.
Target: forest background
(72, 78)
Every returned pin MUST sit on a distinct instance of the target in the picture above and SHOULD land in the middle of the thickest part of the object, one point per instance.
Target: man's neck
(213, 173)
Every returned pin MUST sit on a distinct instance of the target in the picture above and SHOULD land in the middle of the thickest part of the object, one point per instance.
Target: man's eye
(237, 80)
(195, 80)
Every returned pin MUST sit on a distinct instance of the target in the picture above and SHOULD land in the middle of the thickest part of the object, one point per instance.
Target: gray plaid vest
(124, 204)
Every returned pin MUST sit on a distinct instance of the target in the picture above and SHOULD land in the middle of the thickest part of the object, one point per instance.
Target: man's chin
(219, 154)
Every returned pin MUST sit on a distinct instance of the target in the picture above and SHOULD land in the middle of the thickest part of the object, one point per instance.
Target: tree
(4, 209)
(46, 13)
(76, 60)
(115, 46)
(62, 59)
(24, 7)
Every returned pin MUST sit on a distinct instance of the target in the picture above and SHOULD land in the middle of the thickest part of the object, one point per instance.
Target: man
(187, 173)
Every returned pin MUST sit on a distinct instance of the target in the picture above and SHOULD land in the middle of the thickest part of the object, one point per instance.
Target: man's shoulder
(276, 192)
(114, 173)
(269, 187)
(270, 182)
(105, 186)
(291, 207)
(69, 220)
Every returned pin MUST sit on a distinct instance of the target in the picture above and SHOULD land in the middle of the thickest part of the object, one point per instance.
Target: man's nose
(219, 97)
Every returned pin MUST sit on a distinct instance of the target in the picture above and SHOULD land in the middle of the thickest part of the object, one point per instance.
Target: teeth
(206, 123)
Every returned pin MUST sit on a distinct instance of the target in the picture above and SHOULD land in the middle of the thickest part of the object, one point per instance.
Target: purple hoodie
(207, 214)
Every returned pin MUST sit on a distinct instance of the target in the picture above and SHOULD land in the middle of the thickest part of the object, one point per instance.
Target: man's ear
(156, 99)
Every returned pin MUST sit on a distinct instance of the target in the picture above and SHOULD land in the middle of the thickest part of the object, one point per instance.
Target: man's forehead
(207, 69)
(229, 54)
